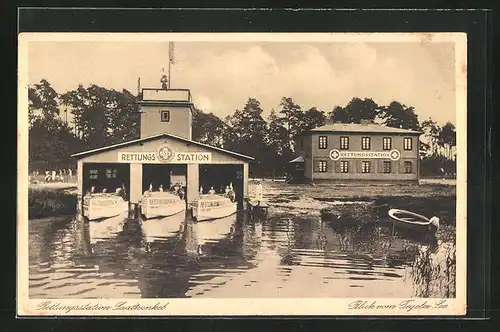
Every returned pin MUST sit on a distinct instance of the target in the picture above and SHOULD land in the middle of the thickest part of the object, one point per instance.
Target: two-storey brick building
(366, 151)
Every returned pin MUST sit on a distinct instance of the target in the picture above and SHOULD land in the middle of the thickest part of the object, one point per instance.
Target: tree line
(102, 116)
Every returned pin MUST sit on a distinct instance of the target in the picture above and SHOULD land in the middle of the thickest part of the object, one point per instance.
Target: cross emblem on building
(334, 154)
(394, 155)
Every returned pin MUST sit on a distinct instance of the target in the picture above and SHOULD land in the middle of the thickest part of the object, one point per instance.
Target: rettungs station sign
(392, 155)
(164, 155)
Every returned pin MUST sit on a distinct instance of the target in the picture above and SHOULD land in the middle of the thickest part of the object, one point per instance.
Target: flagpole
(169, 72)
(170, 60)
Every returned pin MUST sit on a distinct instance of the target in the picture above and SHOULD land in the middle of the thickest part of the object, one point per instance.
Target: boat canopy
(159, 194)
(212, 200)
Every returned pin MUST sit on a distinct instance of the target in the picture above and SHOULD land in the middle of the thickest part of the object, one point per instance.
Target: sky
(223, 75)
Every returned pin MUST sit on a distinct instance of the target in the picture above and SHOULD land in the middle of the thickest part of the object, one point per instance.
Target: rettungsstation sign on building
(392, 155)
(164, 155)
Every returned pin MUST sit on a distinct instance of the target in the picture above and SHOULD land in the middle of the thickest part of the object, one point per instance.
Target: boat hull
(153, 211)
(93, 211)
(410, 228)
(409, 222)
(202, 214)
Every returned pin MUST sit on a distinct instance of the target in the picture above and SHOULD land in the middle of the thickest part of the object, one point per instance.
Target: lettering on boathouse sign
(164, 155)
(392, 155)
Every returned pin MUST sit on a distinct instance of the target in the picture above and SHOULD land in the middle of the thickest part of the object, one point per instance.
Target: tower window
(165, 116)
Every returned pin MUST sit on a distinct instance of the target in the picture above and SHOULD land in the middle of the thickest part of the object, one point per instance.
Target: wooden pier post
(133, 210)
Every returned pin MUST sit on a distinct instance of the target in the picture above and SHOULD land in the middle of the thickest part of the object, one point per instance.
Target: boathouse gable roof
(148, 143)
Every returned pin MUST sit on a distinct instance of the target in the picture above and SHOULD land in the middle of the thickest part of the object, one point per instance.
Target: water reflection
(283, 255)
(160, 229)
(105, 229)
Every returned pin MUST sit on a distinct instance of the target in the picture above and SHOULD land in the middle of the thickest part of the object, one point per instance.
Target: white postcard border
(260, 306)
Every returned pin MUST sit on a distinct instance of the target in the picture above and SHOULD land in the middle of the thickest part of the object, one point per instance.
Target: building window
(165, 116)
(344, 142)
(111, 173)
(407, 167)
(365, 167)
(322, 166)
(344, 167)
(387, 167)
(323, 142)
(407, 143)
(365, 143)
(386, 143)
(93, 174)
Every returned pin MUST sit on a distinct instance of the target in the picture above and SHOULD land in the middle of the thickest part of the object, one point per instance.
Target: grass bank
(46, 202)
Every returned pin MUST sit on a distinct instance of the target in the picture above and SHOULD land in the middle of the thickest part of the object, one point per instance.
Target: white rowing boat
(161, 204)
(413, 222)
(99, 206)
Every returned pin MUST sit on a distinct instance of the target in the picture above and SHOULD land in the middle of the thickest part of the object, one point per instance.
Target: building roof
(299, 159)
(150, 138)
(361, 128)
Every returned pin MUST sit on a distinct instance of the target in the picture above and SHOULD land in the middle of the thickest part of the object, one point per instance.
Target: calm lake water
(291, 253)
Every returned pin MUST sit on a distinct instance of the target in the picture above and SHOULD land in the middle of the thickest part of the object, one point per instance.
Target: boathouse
(165, 154)
(349, 151)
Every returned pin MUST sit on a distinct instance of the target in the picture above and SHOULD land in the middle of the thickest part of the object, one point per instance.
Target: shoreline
(53, 200)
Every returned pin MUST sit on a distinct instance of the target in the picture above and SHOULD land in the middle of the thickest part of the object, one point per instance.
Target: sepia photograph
(242, 174)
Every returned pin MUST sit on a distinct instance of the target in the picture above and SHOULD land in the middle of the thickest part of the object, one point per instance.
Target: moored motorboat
(213, 206)
(208, 207)
(161, 204)
(413, 222)
(103, 205)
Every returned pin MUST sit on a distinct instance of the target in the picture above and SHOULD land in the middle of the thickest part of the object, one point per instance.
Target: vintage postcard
(242, 174)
